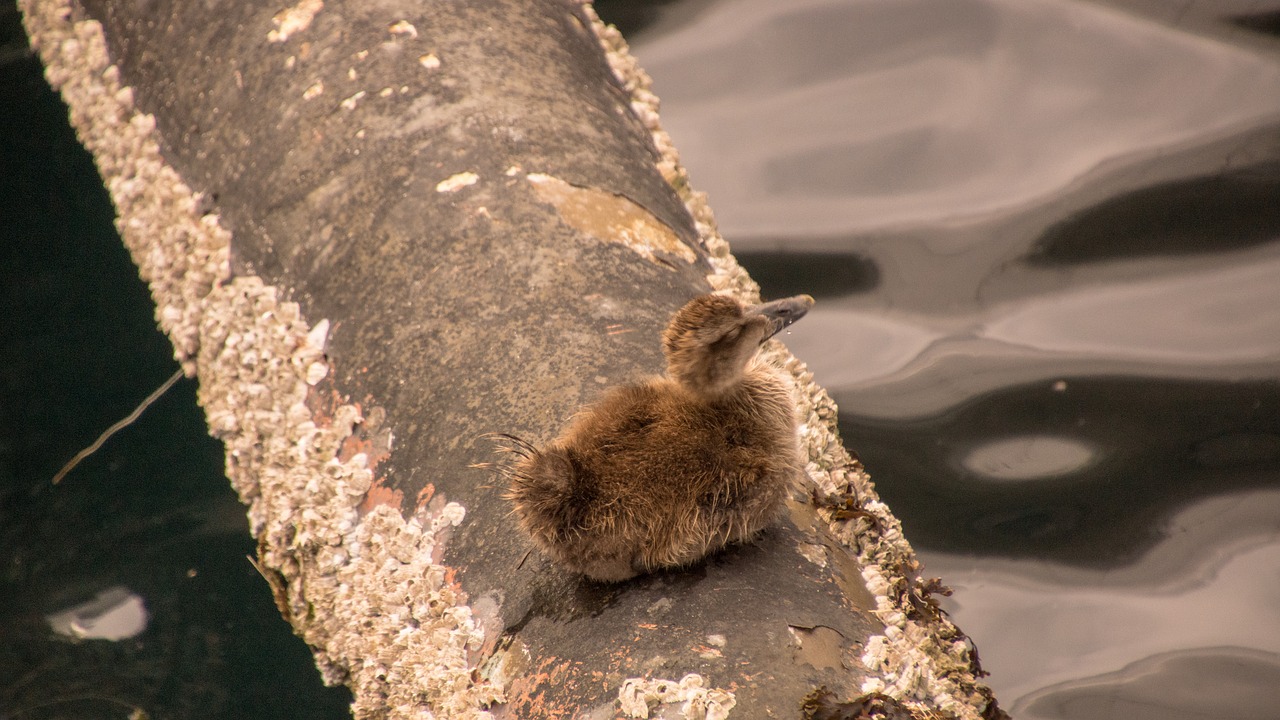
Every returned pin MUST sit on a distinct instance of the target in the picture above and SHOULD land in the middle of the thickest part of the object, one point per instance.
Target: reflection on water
(819, 116)
(1170, 218)
(1044, 233)
(1080, 470)
(843, 273)
(112, 614)
(1187, 630)
(1029, 457)
(1232, 683)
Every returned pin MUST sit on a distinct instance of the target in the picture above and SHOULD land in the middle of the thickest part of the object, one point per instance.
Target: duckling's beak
(782, 313)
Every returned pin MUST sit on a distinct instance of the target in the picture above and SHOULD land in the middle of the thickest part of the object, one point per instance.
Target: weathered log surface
(447, 220)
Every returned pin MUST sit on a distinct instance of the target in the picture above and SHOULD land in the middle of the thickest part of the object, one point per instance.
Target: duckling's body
(661, 473)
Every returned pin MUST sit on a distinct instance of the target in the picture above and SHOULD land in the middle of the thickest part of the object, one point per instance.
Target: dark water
(148, 526)
(1045, 241)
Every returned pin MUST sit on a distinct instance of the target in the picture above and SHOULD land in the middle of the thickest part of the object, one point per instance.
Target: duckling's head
(710, 340)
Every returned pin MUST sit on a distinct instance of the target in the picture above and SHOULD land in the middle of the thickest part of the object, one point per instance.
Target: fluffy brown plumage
(658, 474)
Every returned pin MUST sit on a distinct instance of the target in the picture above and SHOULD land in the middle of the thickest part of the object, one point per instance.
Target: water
(1043, 238)
(126, 588)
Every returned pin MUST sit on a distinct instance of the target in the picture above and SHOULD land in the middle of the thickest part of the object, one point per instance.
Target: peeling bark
(376, 232)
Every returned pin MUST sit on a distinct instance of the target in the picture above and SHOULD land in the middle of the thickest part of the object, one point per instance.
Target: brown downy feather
(658, 474)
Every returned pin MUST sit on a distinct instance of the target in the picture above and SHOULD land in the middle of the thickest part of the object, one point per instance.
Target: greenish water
(150, 516)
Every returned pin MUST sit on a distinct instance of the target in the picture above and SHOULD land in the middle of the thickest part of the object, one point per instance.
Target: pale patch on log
(294, 20)
(351, 102)
(609, 217)
(819, 646)
(814, 553)
(457, 181)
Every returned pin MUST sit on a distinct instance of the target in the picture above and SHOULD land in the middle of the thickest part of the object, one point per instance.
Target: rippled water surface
(1044, 239)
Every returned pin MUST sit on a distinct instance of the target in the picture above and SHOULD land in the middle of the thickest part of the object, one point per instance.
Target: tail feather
(511, 444)
(560, 504)
(552, 494)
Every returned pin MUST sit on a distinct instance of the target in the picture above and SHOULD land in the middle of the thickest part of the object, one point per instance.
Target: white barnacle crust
(639, 696)
(363, 592)
(913, 662)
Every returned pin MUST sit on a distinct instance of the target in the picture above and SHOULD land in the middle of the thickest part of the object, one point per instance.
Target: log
(376, 232)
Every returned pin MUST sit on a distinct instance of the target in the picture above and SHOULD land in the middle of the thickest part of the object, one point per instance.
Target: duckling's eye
(732, 334)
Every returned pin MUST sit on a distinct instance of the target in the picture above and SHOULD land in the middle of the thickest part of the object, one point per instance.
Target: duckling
(661, 473)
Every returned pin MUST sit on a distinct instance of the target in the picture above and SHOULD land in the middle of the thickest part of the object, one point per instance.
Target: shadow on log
(378, 231)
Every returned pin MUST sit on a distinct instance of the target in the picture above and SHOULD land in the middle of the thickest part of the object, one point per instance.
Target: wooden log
(378, 231)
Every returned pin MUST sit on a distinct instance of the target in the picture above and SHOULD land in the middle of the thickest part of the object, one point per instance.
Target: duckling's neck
(710, 382)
